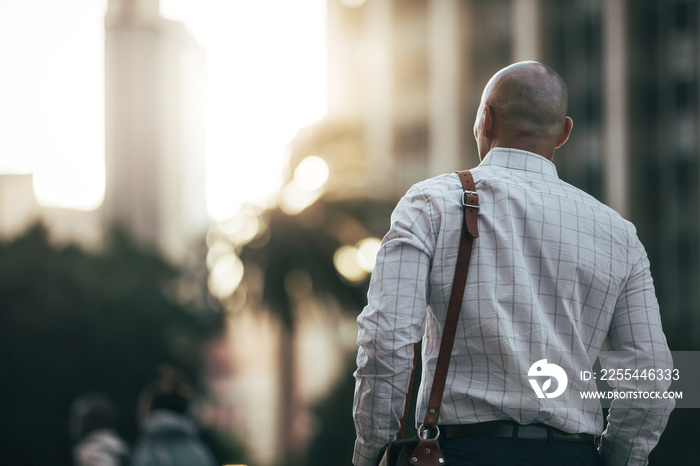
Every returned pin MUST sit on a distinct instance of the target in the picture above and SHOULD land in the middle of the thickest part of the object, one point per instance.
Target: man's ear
(565, 132)
(487, 126)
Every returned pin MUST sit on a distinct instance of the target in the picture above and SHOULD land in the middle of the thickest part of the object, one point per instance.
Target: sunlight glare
(265, 77)
(353, 3)
(52, 116)
(266, 80)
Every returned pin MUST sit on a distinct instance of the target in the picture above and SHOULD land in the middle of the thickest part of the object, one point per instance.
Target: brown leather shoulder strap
(470, 208)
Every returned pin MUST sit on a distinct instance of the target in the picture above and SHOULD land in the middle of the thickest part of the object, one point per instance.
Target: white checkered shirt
(554, 275)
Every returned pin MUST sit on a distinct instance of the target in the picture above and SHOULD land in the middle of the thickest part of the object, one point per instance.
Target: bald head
(526, 104)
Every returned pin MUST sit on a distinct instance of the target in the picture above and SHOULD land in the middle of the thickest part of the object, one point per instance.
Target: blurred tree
(306, 243)
(334, 439)
(73, 321)
(335, 433)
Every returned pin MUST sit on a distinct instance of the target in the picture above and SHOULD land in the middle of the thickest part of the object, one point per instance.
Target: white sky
(266, 79)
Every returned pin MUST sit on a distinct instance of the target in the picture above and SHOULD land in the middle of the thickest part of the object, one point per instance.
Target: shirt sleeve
(637, 342)
(391, 323)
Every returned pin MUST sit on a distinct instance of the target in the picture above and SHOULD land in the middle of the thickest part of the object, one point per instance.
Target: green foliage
(73, 321)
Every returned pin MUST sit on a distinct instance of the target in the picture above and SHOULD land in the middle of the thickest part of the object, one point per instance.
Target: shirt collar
(517, 159)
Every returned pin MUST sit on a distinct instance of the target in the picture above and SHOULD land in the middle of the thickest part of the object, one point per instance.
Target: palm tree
(304, 245)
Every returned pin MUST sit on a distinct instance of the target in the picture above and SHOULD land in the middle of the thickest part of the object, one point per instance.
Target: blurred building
(405, 78)
(664, 162)
(19, 210)
(155, 161)
(155, 127)
(632, 71)
(18, 206)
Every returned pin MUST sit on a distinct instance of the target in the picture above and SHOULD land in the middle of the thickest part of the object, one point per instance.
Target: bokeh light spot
(312, 173)
(226, 275)
(346, 261)
(367, 250)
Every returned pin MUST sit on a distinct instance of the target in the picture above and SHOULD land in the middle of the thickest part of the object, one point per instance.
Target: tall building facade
(154, 148)
(632, 71)
(664, 118)
(405, 78)
(404, 83)
(155, 109)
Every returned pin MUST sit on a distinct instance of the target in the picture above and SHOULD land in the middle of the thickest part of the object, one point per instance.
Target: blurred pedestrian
(168, 436)
(93, 421)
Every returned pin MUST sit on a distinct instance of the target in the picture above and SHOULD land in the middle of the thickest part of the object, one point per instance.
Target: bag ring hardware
(424, 431)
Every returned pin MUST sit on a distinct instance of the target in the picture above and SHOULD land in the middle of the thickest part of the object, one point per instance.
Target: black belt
(509, 429)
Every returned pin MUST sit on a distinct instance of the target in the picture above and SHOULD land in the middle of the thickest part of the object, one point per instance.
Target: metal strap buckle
(464, 199)
(424, 432)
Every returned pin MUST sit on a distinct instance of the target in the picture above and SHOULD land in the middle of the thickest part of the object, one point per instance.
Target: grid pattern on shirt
(553, 273)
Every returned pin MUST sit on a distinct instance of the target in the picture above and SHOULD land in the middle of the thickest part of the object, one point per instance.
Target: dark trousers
(496, 451)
